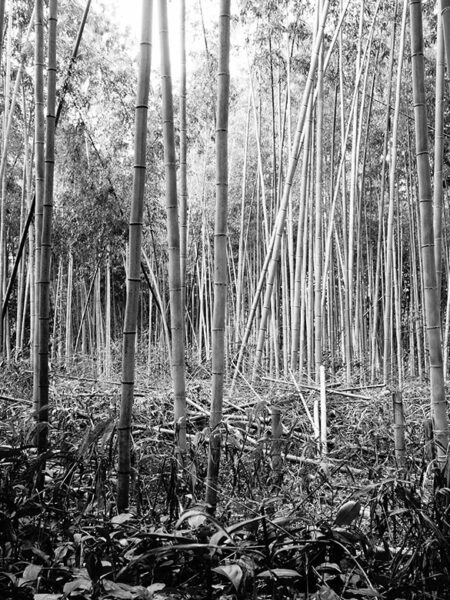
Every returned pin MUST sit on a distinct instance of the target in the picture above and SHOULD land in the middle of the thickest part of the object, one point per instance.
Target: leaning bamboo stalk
(293, 160)
(159, 302)
(281, 215)
(340, 176)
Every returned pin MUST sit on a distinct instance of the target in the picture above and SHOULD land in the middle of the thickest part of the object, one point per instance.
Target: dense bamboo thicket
(324, 249)
(260, 212)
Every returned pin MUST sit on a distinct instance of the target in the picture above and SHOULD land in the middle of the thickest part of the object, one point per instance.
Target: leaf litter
(347, 525)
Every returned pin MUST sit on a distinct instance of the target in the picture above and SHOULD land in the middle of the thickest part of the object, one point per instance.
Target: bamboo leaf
(347, 513)
(31, 572)
(232, 572)
(279, 573)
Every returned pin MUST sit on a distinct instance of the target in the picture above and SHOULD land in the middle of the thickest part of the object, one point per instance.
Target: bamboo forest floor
(349, 525)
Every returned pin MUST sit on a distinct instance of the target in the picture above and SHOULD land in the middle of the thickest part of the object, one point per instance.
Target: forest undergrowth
(349, 525)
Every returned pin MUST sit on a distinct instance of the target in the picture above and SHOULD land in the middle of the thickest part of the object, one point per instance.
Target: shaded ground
(346, 526)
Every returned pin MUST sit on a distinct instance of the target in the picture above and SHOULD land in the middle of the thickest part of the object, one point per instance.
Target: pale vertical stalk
(445, 15)
(446, 332)
(33, 292)
(277, 461)
(10, 101)
(330, 283)
(360, 292)
(298, 277)
(415, 264)
(150, 333)
(318, 313)
(396, 283)
(56, 294)
(99, 333)
(432, 309)
(352, 210)
(323, 412)
(310, 284)
(68, 319)
(274, 325)
(316, 416)
(438, 193)
(11, 98)
(340, 176)
(26, 303)
(39, 143)
(23, 207)
(285, 307)
(273, 127)
(3, 178)
(304, 321)
(85, 313)
(399, 429)
(173, 238)
(346, 327)
(281, 216)
(46, 242)
(134, 258)
(332, 324)
(108, 299)
(293, 160)
(201, 270)
(183, 154)
(159, 303)
(379, 254)
(257, 125)
(387, 321)
(2, 18)
(83, 325)
(31, 278)
(220, 256)
(240, 269)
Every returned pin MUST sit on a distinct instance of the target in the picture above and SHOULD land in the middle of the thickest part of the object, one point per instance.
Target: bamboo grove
(276, 209)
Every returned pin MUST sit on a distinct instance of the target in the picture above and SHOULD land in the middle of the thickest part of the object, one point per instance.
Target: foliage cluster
(302, 536)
